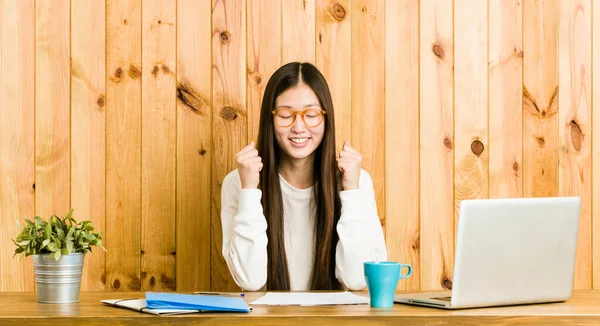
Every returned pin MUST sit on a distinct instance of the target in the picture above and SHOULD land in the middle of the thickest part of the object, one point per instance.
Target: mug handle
(408, 273)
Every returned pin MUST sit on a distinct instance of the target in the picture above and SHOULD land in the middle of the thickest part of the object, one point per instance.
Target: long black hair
(325, 175)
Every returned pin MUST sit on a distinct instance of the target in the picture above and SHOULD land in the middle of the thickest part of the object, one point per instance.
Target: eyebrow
(306, 106)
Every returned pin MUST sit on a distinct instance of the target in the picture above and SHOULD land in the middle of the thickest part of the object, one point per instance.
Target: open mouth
(299, 140)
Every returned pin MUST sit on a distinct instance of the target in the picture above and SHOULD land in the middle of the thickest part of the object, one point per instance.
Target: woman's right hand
(249, 166)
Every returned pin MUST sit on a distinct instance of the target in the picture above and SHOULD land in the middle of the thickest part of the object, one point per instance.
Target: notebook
(158, 300)
(159, 303)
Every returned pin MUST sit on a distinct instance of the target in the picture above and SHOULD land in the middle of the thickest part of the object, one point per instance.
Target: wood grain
(436, 96)
(263, 55)
(22, 308)
(505, 99)
(402, 142)
(368, 92)
(298, 30)
(471, 158)
(595, 147)
(575, 123)
(52, 108)
(540, 102)
(334, 60)
(17, 112)
(159, 124)
(229, 128)
(123, 144)
(194, 150)
(88, 101)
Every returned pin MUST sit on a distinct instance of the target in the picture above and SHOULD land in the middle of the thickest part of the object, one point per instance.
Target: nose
(298, 125)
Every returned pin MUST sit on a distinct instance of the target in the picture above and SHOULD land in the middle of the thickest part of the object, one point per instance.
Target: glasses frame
(295, 115)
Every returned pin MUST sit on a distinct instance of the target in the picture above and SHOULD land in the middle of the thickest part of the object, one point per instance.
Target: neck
(297, 172)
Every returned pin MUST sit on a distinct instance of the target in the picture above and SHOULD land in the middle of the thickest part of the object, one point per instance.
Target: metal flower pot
(58, 281)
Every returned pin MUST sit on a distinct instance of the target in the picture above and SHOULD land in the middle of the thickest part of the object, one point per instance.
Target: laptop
(510, 252)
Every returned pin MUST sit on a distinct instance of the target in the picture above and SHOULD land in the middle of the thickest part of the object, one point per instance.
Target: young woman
(295, 216)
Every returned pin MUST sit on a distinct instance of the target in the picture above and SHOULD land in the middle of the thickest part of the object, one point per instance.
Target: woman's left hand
(349, 163)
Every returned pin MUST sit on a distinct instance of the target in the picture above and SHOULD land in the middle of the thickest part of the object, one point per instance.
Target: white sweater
(245, 239)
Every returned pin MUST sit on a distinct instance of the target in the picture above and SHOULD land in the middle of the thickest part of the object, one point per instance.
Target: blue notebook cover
(159, 300)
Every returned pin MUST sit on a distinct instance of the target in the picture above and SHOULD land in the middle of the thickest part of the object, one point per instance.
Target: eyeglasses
(286, 117)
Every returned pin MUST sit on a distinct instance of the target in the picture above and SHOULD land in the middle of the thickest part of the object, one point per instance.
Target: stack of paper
(310, 299)
(141, 306)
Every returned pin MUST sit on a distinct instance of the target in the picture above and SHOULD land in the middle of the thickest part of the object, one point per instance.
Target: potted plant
(58, 247)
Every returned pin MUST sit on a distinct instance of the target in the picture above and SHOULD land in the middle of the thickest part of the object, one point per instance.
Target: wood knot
(446, 283)
(124, 21)
(33, 186)
(116, 284)
(100, 101)
(477, 147)
(135, 283)
(166, 69)
(438, 50)
(258, 80)
(188, 97)
(364, 9)
(576, 135)
(417, 244)
(135, 72)
(320, 38)
(541, 141)
(152, 281)
(228, 113)
(338, 12)
(103, 278)
(167, 282)
(159, 21)
(202, 152)
(515, 166)
(119, 73)
(448, 143)
(155, 71)
(224, 37)
(518, 52)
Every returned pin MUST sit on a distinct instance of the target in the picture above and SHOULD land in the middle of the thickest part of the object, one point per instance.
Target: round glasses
(286, 117)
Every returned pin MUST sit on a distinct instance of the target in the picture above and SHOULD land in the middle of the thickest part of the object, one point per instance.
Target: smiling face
(298, 141)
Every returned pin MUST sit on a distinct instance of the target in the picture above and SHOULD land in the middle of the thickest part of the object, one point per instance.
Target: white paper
(140, 305)
(310, 299)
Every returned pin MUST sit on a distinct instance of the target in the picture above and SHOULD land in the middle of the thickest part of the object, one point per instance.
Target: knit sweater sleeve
(244, 233)
(360, 234)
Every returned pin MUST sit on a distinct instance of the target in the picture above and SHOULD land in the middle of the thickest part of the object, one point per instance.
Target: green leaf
(45, 243)
(52, 246)
(38, 222)
(60, 233)
(65, 251)
(24, 243)
(28, 222)
(70, 246)
(56, 255)
(48, 231)
(70, 233)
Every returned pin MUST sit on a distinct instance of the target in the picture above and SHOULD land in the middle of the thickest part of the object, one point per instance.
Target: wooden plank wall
(131, 113)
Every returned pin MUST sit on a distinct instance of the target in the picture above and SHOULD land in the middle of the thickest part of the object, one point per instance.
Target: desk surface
(22, 308)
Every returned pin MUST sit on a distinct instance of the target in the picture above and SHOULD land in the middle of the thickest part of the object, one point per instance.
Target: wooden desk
(22, 308)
